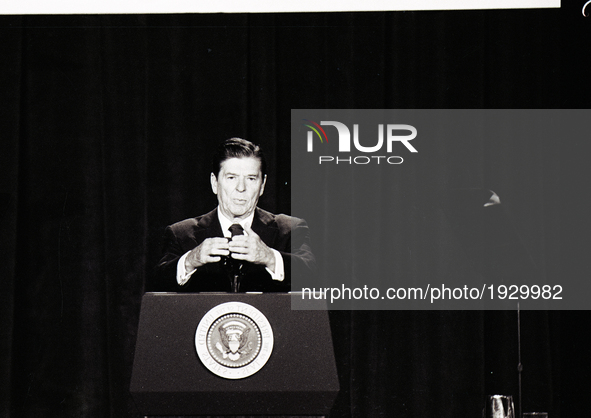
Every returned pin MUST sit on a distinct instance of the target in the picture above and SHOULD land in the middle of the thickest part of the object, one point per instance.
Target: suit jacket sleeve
(294, 246)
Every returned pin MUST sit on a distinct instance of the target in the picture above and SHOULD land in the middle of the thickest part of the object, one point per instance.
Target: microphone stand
(235, 266)
(519, 365)
(237, 272)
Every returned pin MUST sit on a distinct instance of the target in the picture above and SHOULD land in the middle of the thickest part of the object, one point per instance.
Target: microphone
(235, 265)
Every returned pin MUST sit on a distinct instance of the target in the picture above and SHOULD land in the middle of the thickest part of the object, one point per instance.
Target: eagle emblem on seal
(233, 342)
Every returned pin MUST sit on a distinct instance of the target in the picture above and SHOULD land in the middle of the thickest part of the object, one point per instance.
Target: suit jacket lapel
(264, 226)
(209, 226)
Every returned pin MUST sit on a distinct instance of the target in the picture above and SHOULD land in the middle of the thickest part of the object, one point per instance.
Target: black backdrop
(107, 123)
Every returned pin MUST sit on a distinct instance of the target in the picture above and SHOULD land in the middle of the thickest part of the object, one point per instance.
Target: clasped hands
(241, 247)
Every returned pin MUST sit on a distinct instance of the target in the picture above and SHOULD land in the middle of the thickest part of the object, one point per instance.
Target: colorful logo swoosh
(316, 130)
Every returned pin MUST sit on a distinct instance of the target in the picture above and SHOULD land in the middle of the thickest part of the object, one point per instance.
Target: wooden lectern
(169, 378)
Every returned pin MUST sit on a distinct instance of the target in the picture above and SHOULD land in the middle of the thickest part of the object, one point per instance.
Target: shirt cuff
(279, 273)
(182, 277)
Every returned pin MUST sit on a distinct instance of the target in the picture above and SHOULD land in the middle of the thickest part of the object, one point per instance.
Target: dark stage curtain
(108, 123)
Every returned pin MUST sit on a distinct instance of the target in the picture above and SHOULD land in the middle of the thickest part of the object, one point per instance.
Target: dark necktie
(236, 229)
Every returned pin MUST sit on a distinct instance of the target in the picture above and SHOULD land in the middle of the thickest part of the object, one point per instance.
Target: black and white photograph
(272, 210)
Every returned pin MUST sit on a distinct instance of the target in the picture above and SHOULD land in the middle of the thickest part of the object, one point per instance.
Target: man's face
(238, 186)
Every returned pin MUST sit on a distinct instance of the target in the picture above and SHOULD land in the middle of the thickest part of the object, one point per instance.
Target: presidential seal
(234, 340)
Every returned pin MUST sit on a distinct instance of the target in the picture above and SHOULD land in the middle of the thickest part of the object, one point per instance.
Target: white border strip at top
(8, 7)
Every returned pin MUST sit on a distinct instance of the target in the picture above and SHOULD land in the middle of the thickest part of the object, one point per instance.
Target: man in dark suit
(237, 246)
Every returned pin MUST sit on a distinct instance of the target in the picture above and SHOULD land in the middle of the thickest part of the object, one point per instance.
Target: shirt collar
(225, 223)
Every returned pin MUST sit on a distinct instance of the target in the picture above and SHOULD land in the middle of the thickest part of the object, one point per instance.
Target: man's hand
(251, 248)
(209, 251)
